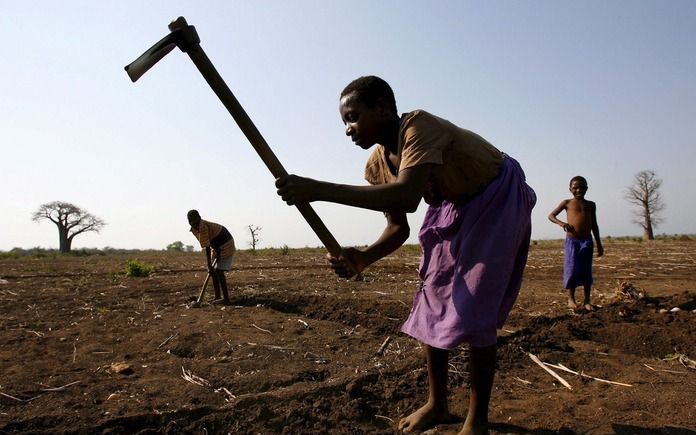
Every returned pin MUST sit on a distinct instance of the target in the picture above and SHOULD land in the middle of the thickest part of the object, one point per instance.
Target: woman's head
(371, 90)
(368, 109)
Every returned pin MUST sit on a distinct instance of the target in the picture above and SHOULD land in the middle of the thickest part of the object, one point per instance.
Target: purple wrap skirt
(473, 258)
(577, 264)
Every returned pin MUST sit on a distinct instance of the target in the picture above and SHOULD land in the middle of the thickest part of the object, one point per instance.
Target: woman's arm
(403, 195)
(394, 235)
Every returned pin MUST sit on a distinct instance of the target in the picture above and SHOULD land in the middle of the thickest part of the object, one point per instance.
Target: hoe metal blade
(148, 59)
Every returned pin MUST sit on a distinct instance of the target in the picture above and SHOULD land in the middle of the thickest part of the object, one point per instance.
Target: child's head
(579, 179)
(368, 109)
(371, 90)
(578, 186)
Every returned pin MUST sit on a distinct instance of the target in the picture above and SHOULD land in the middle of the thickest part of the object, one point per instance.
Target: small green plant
(284, 250)
(114, 277)
(138, 269)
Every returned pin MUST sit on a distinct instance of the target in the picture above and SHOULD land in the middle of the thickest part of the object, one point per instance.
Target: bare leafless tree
(70, 219)
(254, 230)
(645, 194)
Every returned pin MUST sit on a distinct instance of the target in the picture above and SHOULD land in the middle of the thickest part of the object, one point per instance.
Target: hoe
(197, 303)
(185, 37)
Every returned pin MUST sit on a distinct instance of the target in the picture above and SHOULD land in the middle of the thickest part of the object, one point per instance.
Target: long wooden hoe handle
(218, 85)
(205, 284)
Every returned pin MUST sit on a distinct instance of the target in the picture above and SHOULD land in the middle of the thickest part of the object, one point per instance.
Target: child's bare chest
(578, 208)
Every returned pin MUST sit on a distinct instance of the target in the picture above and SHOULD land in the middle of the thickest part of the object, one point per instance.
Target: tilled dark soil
(86, 350)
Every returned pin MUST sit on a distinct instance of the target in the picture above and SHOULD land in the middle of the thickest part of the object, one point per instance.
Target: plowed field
(86, 350)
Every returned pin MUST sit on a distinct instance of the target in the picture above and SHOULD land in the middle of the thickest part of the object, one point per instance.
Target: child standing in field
(216, 237)
(474, 238)
(582, 224)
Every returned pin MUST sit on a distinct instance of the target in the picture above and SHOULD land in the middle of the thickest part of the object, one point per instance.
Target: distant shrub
(637, 239)
(39, 252)
(176, 246)
(138, 269)
(284, 250)
(675, 237)
(413, 249)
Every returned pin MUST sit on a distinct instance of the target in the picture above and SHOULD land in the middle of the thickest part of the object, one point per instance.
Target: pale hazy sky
(599, 88)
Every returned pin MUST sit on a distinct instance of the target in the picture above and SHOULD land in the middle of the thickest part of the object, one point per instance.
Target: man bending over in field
(215, 236)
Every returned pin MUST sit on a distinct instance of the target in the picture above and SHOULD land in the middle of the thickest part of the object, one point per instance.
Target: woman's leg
(481, 374)
(436, 409)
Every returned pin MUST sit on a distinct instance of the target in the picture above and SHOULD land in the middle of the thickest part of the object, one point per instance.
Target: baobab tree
(254, 230)
(645, 194)
(70, 219)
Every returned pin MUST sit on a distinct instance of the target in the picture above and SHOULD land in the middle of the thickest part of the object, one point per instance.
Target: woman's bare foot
(472, 429)
(572, 305)
(427, 415)
(589, 307)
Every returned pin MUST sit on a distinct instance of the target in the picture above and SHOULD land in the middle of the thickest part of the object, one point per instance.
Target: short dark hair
(369, 89)
(579, 178)
(193, 213)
